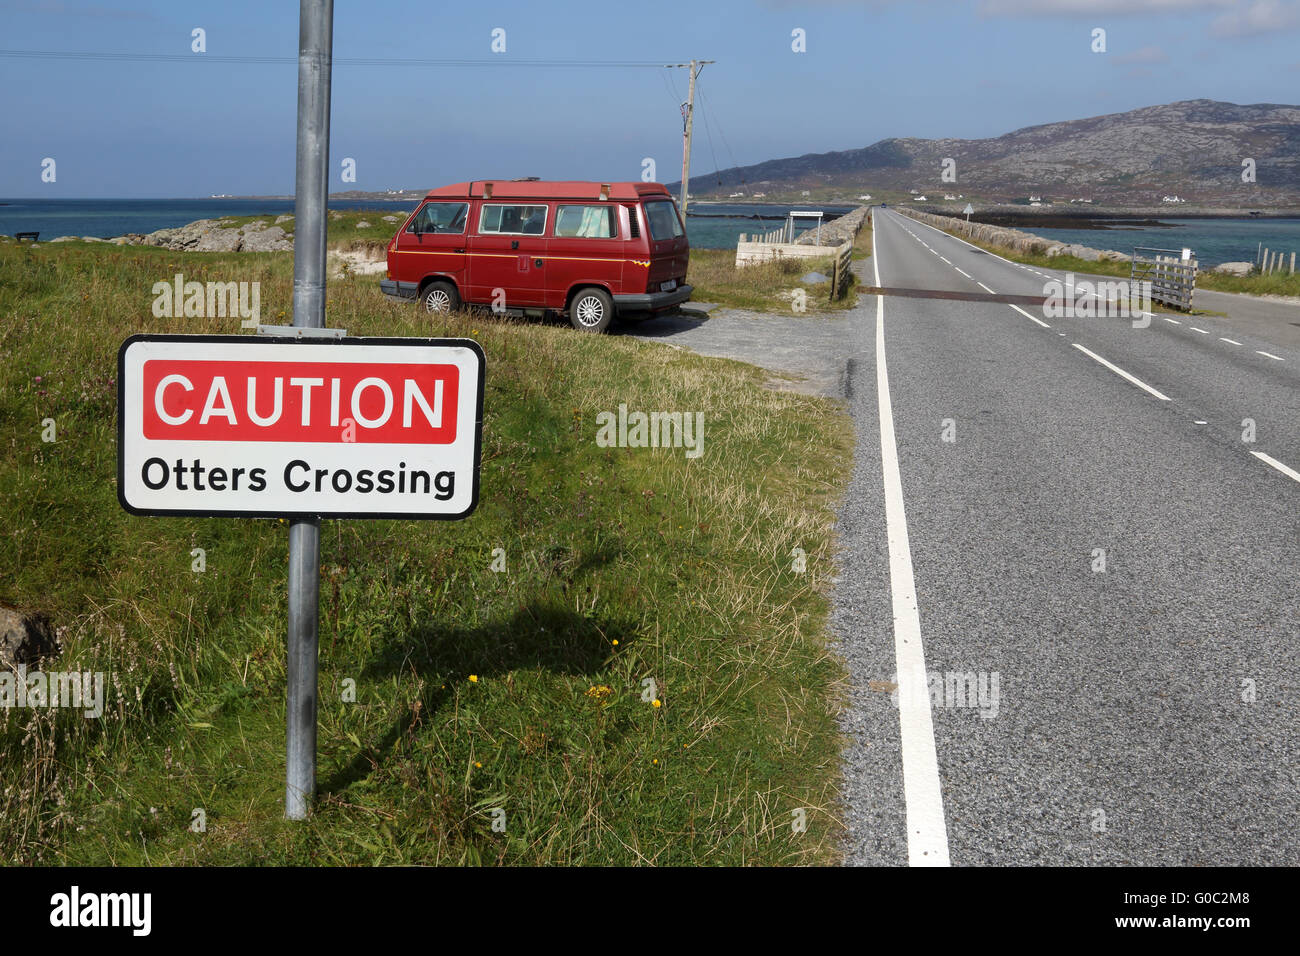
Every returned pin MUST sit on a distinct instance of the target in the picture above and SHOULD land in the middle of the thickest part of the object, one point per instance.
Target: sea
(708, 225)
(1213, 241)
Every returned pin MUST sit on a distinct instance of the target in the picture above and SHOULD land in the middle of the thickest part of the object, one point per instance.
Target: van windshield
(662, 219)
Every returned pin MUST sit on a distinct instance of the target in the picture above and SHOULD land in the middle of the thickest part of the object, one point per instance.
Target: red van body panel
(531, 245)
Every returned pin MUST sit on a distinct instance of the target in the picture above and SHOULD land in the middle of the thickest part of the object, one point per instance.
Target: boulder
(265, 240)
(363, 224)
(215, 240)
(1235, 268)
(392, 219)
(284, 218)
(25, 637)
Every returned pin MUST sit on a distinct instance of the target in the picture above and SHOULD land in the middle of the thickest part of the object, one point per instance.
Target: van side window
(662, 219)
(512, 220)
(585, 222)
(444, 217)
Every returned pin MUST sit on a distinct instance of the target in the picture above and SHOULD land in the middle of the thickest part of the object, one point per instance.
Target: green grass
(769, 286)
(474, 690)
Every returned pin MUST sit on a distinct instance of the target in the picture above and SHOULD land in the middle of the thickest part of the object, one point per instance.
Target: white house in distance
(1172, 199)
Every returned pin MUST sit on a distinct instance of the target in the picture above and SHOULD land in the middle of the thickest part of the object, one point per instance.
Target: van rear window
(519, 220)
(585, 222)
(662, 219)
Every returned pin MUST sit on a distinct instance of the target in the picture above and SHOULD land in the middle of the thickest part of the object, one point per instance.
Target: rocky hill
(1193, 149)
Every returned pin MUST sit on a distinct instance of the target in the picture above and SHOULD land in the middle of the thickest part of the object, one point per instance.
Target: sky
(550, 104)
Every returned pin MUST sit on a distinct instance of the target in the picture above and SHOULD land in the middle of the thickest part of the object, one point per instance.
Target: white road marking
(945, 259)
(927, 834)
(1195, 329)
(1120, 372)
(1167, 319)
(984, 287)
(1229, 341)
(1270, 355)
(1289, 472)
(1028, 316)
(1199, 423)
(966, 274)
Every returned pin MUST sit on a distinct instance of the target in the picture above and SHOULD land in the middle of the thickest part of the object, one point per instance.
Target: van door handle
(458, 250)
(538, 263)
(514, 243)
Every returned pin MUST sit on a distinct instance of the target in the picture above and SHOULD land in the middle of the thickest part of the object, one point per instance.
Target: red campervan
(590, 250)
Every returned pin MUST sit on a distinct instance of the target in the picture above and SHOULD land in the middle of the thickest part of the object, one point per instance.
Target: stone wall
(1014, 239)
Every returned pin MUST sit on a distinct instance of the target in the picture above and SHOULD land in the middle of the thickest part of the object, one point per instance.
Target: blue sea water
(106, 218)
(708, 226)
(1213, 240)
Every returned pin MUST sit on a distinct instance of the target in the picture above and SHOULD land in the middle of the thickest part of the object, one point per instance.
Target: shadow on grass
(545, 636)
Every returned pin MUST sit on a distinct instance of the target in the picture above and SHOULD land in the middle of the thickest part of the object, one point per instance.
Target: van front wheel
(592, 310)
(440, 297)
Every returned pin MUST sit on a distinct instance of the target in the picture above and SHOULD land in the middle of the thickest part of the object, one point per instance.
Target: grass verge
(498, 717)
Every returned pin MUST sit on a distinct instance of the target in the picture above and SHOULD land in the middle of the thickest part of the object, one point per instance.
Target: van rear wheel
(592, 310)
(440, 297)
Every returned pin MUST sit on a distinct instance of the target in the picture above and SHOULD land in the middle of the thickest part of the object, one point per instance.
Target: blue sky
(872, 69)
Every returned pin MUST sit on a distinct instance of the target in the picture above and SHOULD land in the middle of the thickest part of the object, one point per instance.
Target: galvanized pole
(315, 51)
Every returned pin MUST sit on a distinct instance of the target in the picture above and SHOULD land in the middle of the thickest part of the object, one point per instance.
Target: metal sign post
(315, 53)
(357, 427)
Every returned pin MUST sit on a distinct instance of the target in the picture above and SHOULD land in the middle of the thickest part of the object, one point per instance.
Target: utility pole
(315, 62)
(695, 67)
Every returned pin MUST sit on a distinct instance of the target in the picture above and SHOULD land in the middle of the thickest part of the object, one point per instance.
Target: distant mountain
(1193, 149)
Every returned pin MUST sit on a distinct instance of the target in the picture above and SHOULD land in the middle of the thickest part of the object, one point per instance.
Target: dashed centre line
(1121, 373)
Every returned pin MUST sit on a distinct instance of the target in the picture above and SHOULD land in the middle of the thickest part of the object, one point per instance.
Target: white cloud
(1256, 17)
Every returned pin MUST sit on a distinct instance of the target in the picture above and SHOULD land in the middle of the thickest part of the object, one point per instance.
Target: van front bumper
(652, 301)
(399, 290)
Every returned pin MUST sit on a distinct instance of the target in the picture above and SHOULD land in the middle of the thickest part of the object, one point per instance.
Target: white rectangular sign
(236, 426)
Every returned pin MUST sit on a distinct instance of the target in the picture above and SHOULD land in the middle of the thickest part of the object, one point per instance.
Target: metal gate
(1171, 272)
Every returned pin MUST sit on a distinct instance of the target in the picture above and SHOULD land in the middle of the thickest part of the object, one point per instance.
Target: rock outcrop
(213, 235)
(25, 637)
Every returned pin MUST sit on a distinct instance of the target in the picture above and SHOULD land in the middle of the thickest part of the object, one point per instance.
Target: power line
(704, 101)
(499, 61)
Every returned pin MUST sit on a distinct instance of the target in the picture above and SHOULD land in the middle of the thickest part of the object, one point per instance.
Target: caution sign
(239, 426)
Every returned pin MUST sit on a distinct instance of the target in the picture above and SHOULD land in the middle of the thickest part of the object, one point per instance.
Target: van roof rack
(527, 179)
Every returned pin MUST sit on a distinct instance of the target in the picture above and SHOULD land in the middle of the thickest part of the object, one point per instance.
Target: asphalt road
(1069, 510)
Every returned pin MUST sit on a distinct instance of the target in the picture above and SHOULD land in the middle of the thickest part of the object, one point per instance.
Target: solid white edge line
(927, 833)
(1120, 372)
(1289, 472)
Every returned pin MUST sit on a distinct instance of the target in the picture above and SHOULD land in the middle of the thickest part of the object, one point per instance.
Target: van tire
(440, 297)
(592, 310)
